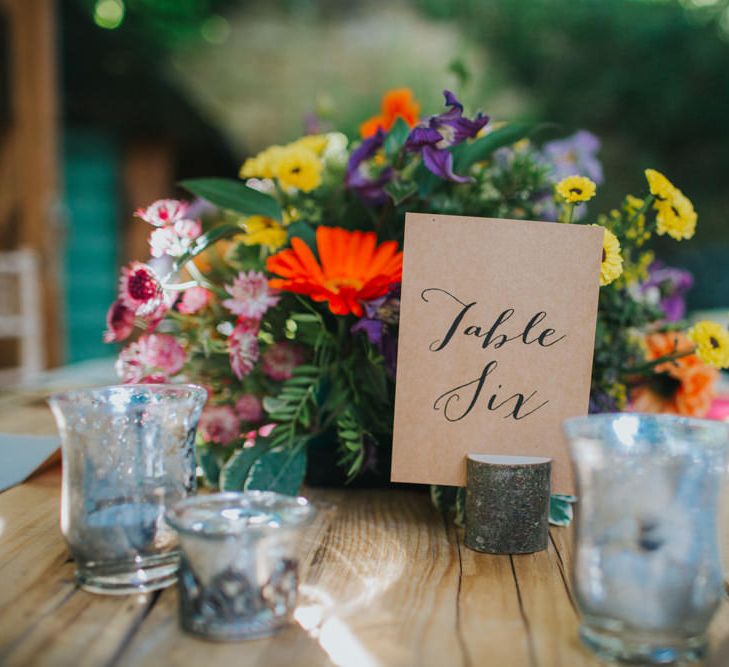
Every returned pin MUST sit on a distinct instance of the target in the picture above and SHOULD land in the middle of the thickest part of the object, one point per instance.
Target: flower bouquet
(279, 291)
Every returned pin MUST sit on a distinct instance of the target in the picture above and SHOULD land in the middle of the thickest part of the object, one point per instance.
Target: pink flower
(219, 424)
(194, 300)
(119, 322)
(174, 240)
(188, 229)
(153, 358)
(243, 349)
(251, 295)
(130, 365)
(139, 288)
(153, 319)
(249, 408)
(266, 430)
(280, 359)
(163, 212)
(164, 353)
(252, 436)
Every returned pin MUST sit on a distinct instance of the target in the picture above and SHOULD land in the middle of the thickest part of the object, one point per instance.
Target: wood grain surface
(385, 581)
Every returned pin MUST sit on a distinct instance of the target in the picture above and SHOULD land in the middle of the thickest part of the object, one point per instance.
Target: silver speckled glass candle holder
(647, 567)
(128, 453)
(239, 571)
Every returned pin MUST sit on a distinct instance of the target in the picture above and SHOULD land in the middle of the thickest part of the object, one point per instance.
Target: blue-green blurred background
(193, 86)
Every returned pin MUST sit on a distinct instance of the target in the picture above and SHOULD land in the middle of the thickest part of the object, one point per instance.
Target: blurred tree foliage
(650, 77)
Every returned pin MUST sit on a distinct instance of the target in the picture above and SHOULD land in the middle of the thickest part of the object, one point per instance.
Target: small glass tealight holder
(239, 571)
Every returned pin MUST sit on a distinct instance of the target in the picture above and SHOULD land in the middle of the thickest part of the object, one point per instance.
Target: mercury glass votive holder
(647, 571)
(239, 570)
(128, 453)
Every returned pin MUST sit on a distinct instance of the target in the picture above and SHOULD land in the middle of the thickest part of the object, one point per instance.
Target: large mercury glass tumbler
(128, 453)
(647, 570)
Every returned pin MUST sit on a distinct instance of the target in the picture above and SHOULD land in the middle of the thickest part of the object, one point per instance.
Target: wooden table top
(385, 581)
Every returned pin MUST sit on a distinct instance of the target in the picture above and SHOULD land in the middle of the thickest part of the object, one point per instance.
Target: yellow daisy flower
(299, 167)
(612, 260)
(264, 231)
(314, 142)
(576, 189)
(676, 217)
(659, 185)
(712, 343)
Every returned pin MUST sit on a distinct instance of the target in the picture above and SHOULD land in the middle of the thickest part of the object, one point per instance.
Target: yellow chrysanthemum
(314, 142)
(712, 343)
(299, 167)
(676, 216)
(659, 185)
(612, 260)
(576, 189)
(262, 165)
(264, 231)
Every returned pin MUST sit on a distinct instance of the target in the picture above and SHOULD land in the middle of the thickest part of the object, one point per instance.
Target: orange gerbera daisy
(684, 386)
(397, 103)
(353, 269)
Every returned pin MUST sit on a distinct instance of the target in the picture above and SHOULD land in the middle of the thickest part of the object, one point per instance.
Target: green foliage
(351, 440)
(396, 137)
(292, 407)
(304, 231)
(210, 464)
(560, 509)
(467, 154)
(280, 469)
(235, 472)
(636, 73)
(234, 196)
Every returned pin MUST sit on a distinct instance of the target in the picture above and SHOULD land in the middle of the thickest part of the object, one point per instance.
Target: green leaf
(235, 471)
(466, 154)
(204, 241)
(400, 191)
(396, 137)
(235, 196)
(303, 230)
(281, 469)
(560, 509)
(426, 180)
(305, 317)
(208, 461)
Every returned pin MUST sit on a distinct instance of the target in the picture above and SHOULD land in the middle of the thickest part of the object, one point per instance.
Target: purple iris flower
(574, 155)
(441, 132)
(667, 286)
(370, 190)
(381, 315)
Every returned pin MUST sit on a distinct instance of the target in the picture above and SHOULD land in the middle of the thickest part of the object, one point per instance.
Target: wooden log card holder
(507, 503)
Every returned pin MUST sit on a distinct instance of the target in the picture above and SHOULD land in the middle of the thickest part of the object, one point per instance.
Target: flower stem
(570, 213)
(647, 202)
(657, 362)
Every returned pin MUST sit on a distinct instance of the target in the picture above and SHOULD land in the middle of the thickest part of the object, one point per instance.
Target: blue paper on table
(21, 455)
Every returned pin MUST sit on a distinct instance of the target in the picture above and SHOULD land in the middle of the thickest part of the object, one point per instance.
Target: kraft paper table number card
(497, 331)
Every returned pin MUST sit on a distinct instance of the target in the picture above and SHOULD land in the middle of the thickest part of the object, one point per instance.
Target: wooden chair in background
(20, 314)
